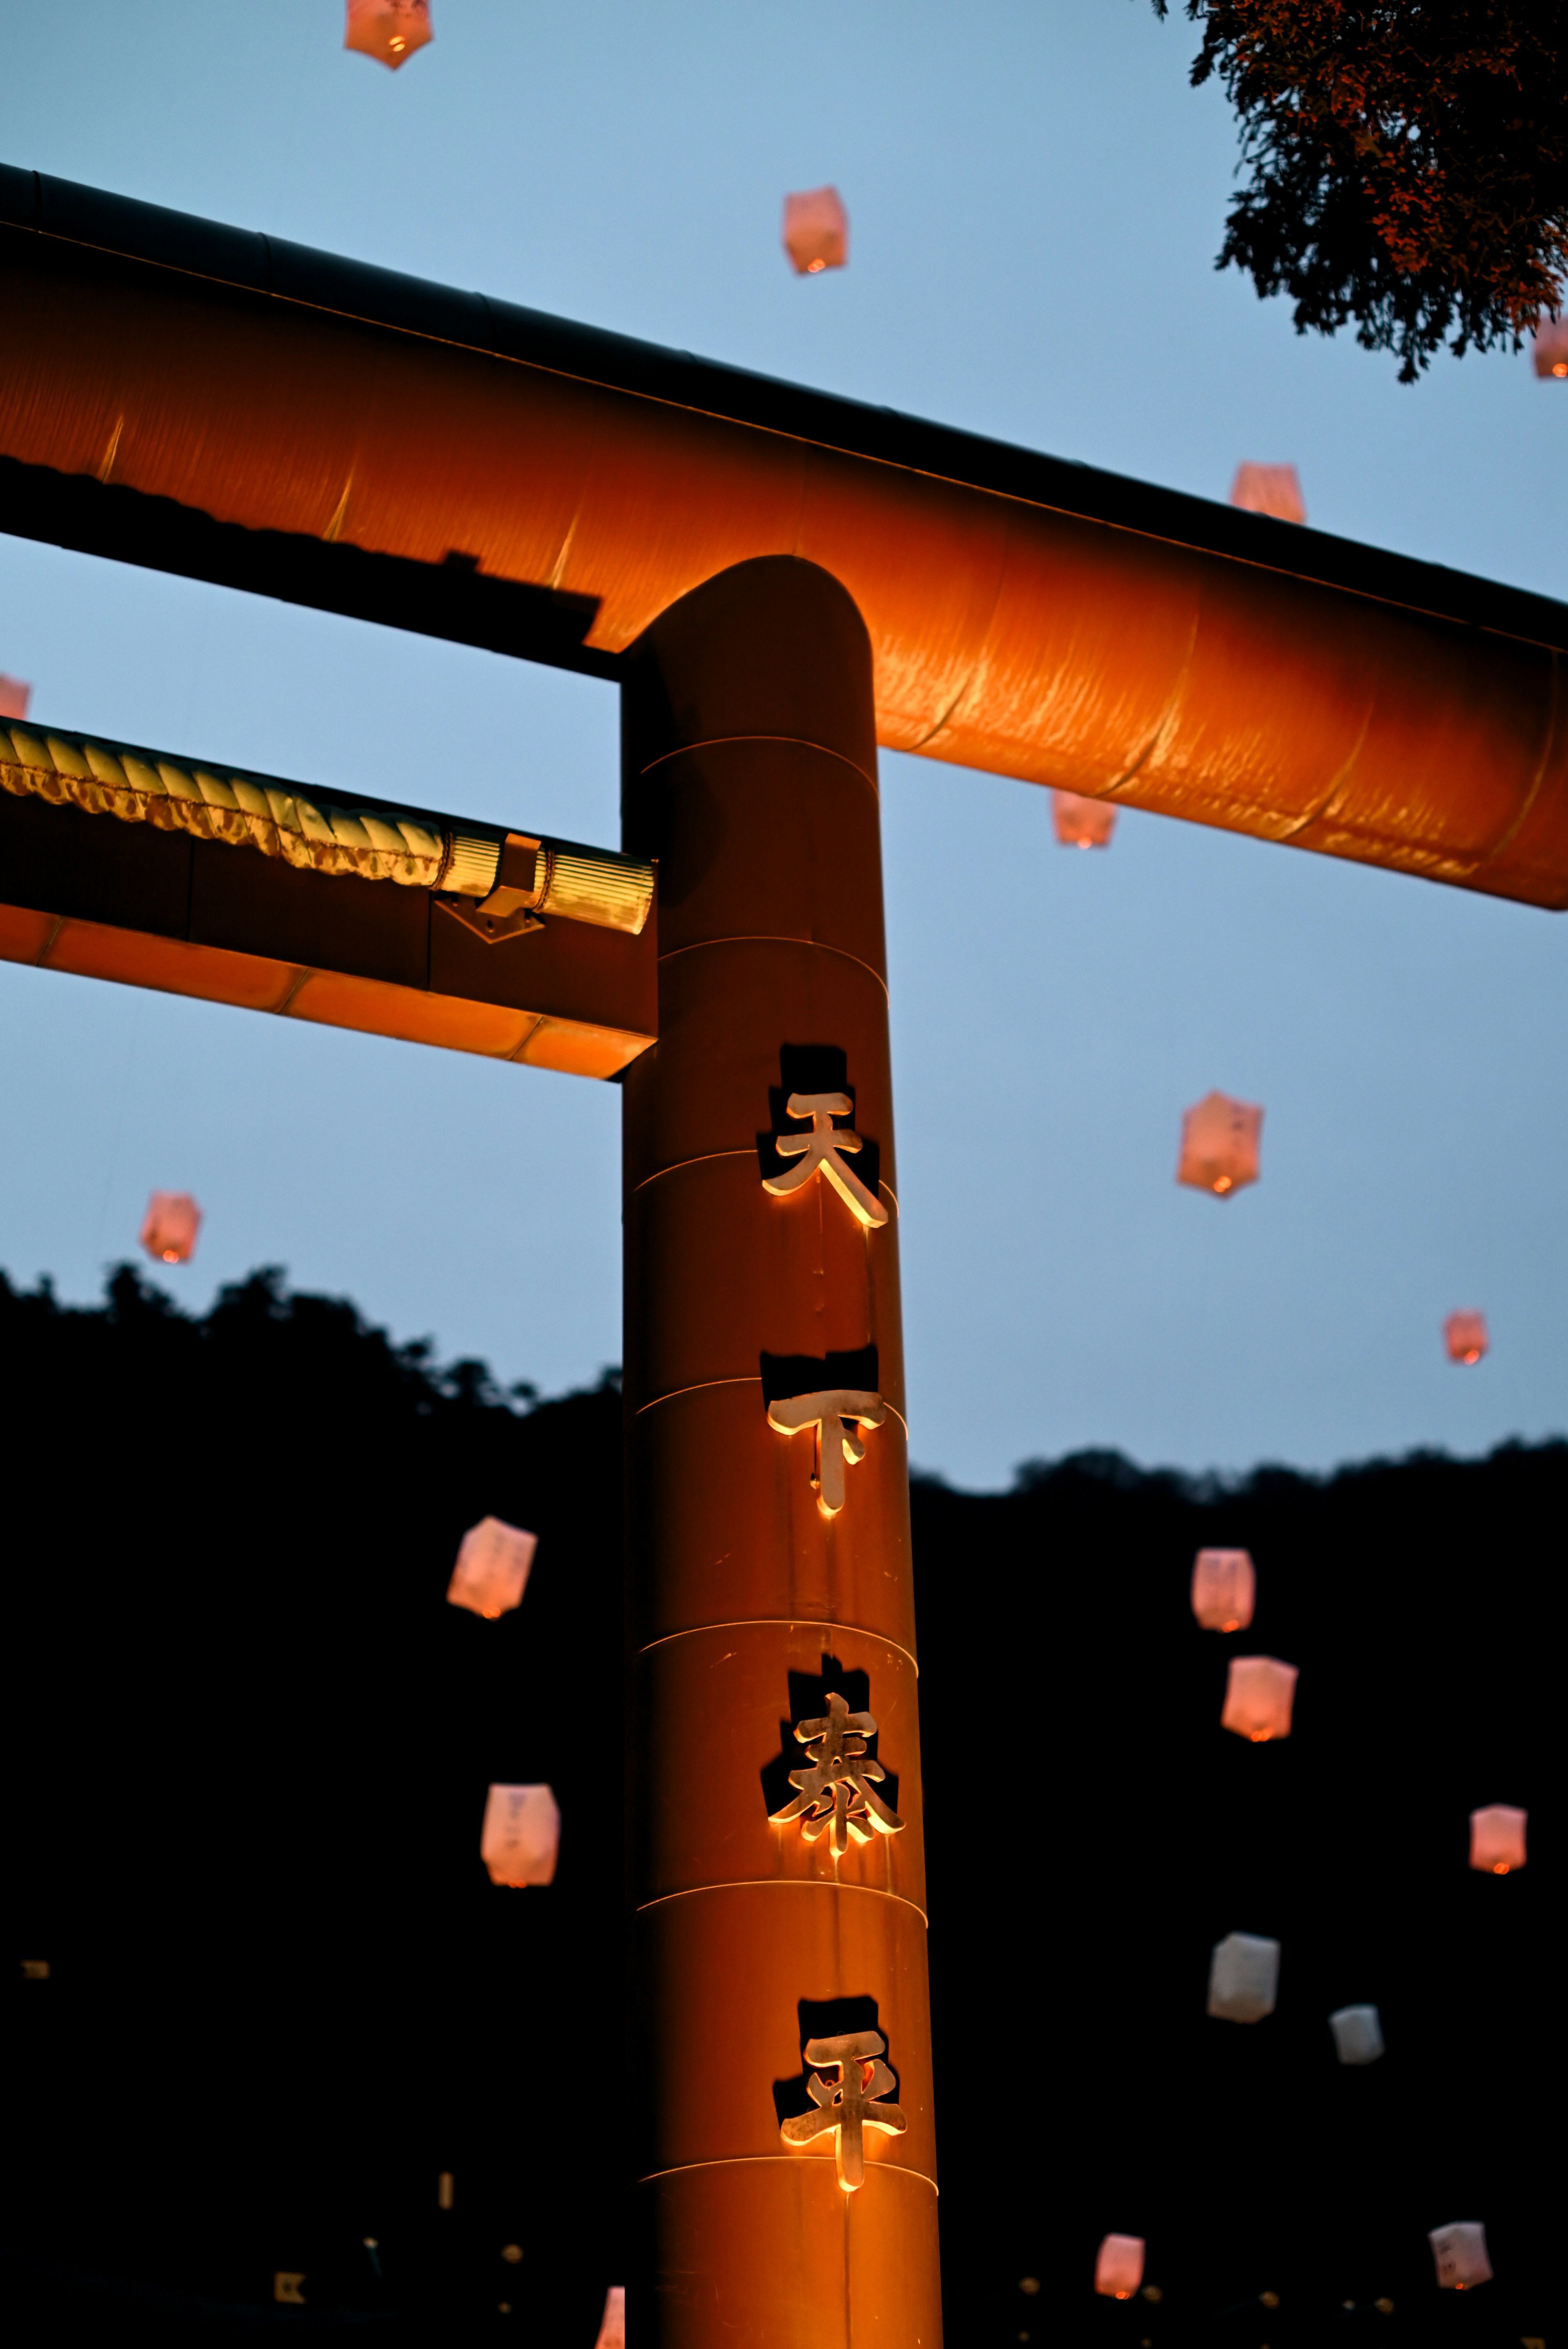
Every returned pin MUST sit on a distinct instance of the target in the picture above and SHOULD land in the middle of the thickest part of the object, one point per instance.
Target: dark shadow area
(813, 1069)
(824, 2018)
(784, 1375)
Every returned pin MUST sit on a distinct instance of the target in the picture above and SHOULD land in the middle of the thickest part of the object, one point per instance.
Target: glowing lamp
(1497, 1838)
(169, 1229)
(1080, 822)
(1464, 1335)
(1223, 1588)
(1259, 1694)
(1119, 2269)
(1220, 1144)
(1459, 2252)
(521, 1839)
(612, 2323)
(491, 1571)
(389, 29)
(13, 697)
(1269, 490)
(1244, 1978)
(1358, 2034)
(1550, 347)
(816, 230)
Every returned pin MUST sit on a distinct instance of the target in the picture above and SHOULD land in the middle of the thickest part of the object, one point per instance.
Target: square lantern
(1464, 1335)
(13, 697)
(1269, 490)
(169, 1227)
(1497, 1838)
(389, 29)
(1244, 1978)
(1459, 2252)
(1081, 823)
(816, 230)
(1223, 1588)
(1119, 2269)
(1551, 346)
(1358, 2034)
(612, 2323)
(1260, 1693)
(1220, 1144)
(521, 1839)
(491, 1571)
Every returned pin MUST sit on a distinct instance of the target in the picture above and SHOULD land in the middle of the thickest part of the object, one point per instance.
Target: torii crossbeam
(779, 581)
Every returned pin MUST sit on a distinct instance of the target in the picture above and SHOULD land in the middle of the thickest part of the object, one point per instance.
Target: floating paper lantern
(1464, 1335)
(1223, 1588)
(169, 1227)
(1118, 2269)
(1080, 822)
(491, 1571)
(1269, 490)
(1259, 1694)
(1358, 2034)
(1550, 347)
(389, 29)
(816, 230)
(522, 1836)
(1497, 1838)
(612, 2323)
(13, 697)
(1220, 1144)
(1244, 1978)
(1459, 2252)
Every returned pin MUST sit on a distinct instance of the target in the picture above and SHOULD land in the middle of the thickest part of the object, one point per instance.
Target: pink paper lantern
(1119, 2269)
(390, 30)
(1269, 490)
(816, 230)
(1497, 1838)
(612, 2323)
(169, 1227)
(13, 697)
(491, 1572)
(1550, 348)
(1220, 1144)
(1260, 1693)
(1464, 1335)
(1460, 2254)
(1080, 822)
(1223, 1588)
(521, 1839)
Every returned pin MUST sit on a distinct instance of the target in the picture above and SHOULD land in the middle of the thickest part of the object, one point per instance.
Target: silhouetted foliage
(1408, 162)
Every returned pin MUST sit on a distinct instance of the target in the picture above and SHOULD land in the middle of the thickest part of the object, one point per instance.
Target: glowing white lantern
(1358, 2034)
(1080, 822)
(1220, 1144)
(491, 1571)
(13, 697)
(1118, 2269)
(1223, 1588)
(389, 29)
(612, 2323)
(169, 1227)
(1497, 1838)
(1551, 351)
(1244, 1978)
(816, 230)
(1260, 1693)
(522, 1836)
(1459, 2252)
(1464, 1335)
(1269, 490)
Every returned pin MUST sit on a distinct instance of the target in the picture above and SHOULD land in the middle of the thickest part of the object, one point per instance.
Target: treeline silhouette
(249, 1750)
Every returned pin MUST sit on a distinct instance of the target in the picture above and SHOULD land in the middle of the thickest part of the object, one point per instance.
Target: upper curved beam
(1029, 617)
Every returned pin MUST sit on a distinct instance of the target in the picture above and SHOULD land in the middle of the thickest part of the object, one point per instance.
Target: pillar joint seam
(747, 1380)
(791, 1622)
(788, 2160)
(707, 1157)
(782, 1884)
(799, 742)
(750, 938)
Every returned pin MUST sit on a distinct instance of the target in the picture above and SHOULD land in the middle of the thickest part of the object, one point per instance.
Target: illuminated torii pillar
(750, 772)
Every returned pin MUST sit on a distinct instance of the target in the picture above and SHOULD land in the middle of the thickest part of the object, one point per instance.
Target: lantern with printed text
(169, 1227)
(816, 230)
(1260, 1693)
(1220, 1144)
(1550, 346)
(1459, 2252)
(389, 29)
(1358, 2034)
(1223, 1587)
(1269, 490)
(1497, 1838)
(13, 697)
(491, 1571)
(1244, 1978)
(1081, 823)
(1464, 1335)
(1119, 2269)
(612, 2323)
(521, 1839)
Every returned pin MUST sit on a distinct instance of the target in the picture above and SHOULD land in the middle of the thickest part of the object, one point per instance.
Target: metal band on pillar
(785, 2152)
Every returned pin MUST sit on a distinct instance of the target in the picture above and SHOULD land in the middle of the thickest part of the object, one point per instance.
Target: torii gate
(779, 581)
